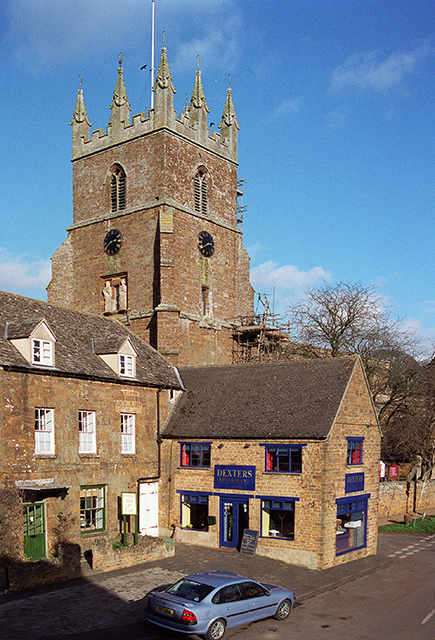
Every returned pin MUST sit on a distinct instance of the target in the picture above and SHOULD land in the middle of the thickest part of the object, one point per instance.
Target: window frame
(91, 442)
(101, 509)
(277, 503)
(127, 365)
(355, 450)
(128, 437)
(195, 498)
(40, 425)
(202, 446)
(352, 507)
(294, 467)
(45, 352)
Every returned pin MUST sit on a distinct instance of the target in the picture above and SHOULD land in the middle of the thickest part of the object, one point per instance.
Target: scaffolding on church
(261, 337)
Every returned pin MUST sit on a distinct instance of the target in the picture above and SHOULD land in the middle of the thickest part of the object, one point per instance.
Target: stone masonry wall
(397, 498)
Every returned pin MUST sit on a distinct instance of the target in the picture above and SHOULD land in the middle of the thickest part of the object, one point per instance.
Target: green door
(34, 530)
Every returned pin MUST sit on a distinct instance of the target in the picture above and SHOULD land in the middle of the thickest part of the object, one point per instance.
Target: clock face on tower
(206, 244)
(112, 242)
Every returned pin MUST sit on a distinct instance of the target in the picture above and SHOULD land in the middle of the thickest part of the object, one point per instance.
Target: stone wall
(105, 558)
(402, 497)
(25, 575)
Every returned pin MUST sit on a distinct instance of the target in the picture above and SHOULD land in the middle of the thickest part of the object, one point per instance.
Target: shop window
(87, 442)
(92, 508)
(195, 454)
(284, 458)
(127, 433)
(44, 431)
(194, 511)
(351, 526)
(355, 450)
(278, 518)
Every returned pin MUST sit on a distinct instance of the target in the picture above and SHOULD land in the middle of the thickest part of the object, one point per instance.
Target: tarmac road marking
(428, 617)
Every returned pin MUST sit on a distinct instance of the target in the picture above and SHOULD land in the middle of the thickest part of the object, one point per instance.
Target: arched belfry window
(201, 192)
(117, 189)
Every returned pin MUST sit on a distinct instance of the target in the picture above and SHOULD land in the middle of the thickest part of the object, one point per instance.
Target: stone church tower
(155, 241)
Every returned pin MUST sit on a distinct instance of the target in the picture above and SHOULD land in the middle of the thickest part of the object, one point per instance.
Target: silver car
(208, 603)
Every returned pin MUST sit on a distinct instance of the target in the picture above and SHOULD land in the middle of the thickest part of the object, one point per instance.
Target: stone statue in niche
(123, 295)
(107, 294)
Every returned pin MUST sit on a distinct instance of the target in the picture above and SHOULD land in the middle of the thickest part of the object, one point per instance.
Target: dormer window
(122, 359)
(34, 340)
(42, 352)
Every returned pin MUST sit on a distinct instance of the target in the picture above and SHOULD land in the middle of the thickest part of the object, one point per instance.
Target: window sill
(128, 454)
(278, 538)
(280, 473)
(91, 532)
(196, 530)
(88, 455)
(185, 466)
(46, 456)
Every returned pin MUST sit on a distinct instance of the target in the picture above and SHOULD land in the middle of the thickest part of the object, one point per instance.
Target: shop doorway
(234, 519)
(34, 530)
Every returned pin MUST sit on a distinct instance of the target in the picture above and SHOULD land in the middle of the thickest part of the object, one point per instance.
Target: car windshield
(190, 590)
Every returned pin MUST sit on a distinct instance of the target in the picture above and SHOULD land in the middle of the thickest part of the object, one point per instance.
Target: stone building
(155, 239)
(289, 450)
(83, 399)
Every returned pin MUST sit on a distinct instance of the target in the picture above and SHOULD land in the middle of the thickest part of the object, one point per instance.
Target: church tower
(155, 241)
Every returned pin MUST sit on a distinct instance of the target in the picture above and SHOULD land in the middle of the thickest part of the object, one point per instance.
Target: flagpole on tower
(152, 54)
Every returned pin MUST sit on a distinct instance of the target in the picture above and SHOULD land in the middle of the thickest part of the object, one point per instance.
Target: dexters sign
(228, 476)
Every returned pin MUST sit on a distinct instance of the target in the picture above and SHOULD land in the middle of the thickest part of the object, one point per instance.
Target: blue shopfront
(233, 507)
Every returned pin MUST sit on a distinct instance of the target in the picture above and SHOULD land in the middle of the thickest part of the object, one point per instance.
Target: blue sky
(335, 102)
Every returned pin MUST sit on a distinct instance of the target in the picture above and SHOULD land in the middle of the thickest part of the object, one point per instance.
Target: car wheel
(283, 610)
(216, 630)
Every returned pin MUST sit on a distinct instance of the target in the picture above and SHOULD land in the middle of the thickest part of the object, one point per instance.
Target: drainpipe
(159, 440)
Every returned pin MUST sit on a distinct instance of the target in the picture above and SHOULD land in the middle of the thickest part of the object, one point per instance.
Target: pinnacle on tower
(120, 106)
(228, 124)
(164, 90)
(198, 108)
(80, 121)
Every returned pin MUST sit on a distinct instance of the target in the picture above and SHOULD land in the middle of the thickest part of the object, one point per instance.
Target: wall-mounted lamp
(220, 445)
(246, 446)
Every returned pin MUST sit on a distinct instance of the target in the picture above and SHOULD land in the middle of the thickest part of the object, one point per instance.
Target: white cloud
(45, 33)
(366, 71)
(286, 281)
(291, 105)
(18, 274)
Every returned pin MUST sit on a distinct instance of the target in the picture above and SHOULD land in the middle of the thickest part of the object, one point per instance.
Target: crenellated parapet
(191, 124)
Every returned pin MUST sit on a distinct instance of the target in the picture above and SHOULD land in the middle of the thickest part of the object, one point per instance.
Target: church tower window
(117, 190)
(201, 192)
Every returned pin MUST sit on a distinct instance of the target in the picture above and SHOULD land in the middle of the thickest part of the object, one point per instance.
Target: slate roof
(74, 350)
(293, 399)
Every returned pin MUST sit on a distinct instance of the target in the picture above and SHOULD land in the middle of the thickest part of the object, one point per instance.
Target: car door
(231, 605)
(260, 603)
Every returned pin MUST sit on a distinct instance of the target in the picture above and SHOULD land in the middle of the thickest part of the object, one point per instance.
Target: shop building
(289, 450)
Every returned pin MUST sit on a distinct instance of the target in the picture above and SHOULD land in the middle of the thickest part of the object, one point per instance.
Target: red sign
(394, 470)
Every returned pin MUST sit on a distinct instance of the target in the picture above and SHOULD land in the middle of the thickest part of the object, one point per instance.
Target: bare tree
(347, 319)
